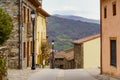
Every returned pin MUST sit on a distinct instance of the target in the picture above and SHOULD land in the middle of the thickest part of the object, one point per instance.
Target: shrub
(5, 26)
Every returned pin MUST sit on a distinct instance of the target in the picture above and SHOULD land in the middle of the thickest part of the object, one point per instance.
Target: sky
(84, 8)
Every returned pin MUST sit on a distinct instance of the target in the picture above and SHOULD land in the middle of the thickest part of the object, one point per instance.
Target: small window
(113, 52)
(105, 12)
(28, 14)
(114, 8)
(24, 14)
(24, 49)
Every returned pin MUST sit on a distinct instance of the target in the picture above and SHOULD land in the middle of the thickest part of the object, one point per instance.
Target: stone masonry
(20, 41)
(12, 9)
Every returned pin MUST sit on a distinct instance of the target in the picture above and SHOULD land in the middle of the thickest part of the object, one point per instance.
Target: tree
(5, 26)
(45, 51)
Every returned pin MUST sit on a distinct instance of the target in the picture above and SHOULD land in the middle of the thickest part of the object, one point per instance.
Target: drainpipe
(19, 58)
(101, 35)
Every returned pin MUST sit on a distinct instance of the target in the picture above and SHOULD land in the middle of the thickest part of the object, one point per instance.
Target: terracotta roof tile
(68, 54)
(36, 3)
(43, 12)
(85, 39)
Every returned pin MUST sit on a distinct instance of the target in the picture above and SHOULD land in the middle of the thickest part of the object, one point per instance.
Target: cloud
(69, 8)
(82, 13)
(65, 12)
(84, 8)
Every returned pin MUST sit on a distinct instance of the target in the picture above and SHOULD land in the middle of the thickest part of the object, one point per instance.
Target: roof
(43, 12)
(59, 55)
(86, 39)
(36, 3)
(68, 55)
(68, 50)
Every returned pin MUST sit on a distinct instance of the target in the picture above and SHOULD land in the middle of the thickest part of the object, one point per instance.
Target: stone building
(64, 59)
(110, 37)
(87, 52)
(20, 42)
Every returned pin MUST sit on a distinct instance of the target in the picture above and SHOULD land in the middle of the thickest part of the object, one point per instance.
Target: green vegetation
(3, 68)
(5, 26)
(63, 31)
(45, 51)
(5, 30)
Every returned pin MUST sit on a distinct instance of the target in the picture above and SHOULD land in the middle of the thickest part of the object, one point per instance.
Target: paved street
(56, 74)
(79, 74)
(24, 74)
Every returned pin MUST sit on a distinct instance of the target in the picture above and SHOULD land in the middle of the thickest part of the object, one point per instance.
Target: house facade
(21, 40)
(64, 59)
(41, 38)
(87, 52)
(110, 37)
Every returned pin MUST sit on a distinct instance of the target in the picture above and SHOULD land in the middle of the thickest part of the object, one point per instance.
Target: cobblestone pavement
(24, 74)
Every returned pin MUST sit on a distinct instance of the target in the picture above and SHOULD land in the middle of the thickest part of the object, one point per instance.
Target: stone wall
(11, 7)
(25, 49)
(60, 63)
(63, 61)
(78, 55)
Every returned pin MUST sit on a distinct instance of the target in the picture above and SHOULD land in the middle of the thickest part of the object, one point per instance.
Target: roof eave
(43, 12)
(80, 41)
(35, 3)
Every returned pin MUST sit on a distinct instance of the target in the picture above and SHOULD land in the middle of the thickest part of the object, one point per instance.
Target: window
(24, 49)
(105, 12)
(114, 8)
(24, 14)
(28, 14)
(59, 59)
(113, 52)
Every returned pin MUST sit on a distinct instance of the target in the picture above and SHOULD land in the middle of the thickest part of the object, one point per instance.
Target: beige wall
(110, 28)
(40, 35)
(92, 53)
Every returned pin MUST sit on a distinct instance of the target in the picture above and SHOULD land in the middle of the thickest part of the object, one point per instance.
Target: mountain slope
(63, 31)
(77, 18)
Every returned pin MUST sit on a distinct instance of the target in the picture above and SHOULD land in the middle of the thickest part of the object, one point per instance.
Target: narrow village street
(73, 74)
(59, 40)
(23, 74)
(70, 74)
(56, 74)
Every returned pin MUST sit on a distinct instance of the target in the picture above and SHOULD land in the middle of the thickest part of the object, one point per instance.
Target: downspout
(101, 35)
(19, 47)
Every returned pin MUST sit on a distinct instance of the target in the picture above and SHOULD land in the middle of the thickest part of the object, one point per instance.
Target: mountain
(64, 30)
(77, 18)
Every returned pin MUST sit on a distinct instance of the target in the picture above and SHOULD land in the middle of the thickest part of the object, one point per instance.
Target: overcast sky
(85, 8)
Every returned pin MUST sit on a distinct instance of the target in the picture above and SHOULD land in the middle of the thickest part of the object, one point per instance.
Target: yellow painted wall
(40, 34)
(92, 53)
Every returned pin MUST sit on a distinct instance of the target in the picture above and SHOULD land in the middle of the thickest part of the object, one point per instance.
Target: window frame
(115, 53)
(114, 8)
(24, 14)
(105, 12)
